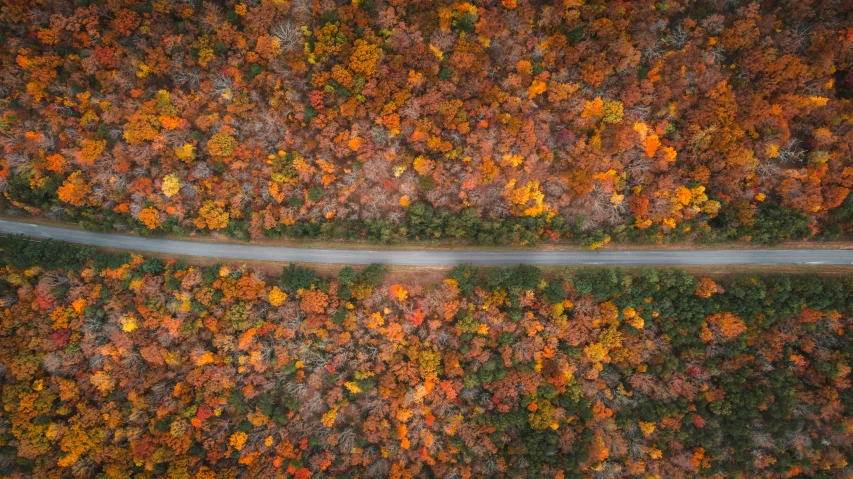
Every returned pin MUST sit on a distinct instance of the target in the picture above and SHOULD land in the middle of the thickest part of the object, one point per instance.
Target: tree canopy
(491, 122)
(123, 366)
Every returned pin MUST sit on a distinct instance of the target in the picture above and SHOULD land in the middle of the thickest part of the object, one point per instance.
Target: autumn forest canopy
(116, 366)
(487, 122)
(490, 121)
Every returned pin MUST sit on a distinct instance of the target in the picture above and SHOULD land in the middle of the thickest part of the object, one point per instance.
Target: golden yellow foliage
(330, 40)
(328, 419)
(141, 127)
(636, 322)
(613, 111)
(90, 150)
(238, 440)
(170, 185)
(683, 195)
(596, 353)
(598, 244)
(185, 153)
(399, 292)
(375, 320)
(222, 145)
(512, 160)
(772, 151)
(128, 323)
(617, 199)
(711, 208)
(150, 217)
(423, 165)
(818, 100)
(527, 199)
(610, 338)
(352, 387)
(211, 216)
(277, 297)
(205, 358)
(363, 58)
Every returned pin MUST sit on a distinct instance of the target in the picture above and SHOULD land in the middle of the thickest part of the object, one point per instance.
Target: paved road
(433, 258)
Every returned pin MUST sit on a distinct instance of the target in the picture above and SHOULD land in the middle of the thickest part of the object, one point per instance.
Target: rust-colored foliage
(503, 111)
(707, 287)
(207, 369)
(75, 190)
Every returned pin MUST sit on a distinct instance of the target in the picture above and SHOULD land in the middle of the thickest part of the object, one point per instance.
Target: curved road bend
(433, 258)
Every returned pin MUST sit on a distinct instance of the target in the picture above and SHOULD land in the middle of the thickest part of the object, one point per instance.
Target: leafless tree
(791, 152)
(288, 34)
(677, 38)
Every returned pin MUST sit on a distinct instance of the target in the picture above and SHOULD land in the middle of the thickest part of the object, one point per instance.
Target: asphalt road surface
(433, 258)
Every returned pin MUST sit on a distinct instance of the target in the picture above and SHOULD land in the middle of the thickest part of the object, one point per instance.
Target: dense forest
(116, 365)
(490, 121)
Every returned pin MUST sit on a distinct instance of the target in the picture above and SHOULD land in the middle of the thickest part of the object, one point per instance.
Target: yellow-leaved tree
(170, 185)
(150, 217)
(211, 216)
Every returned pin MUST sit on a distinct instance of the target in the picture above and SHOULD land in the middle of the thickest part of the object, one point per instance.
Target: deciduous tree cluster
(120, 365)
(638, 119)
